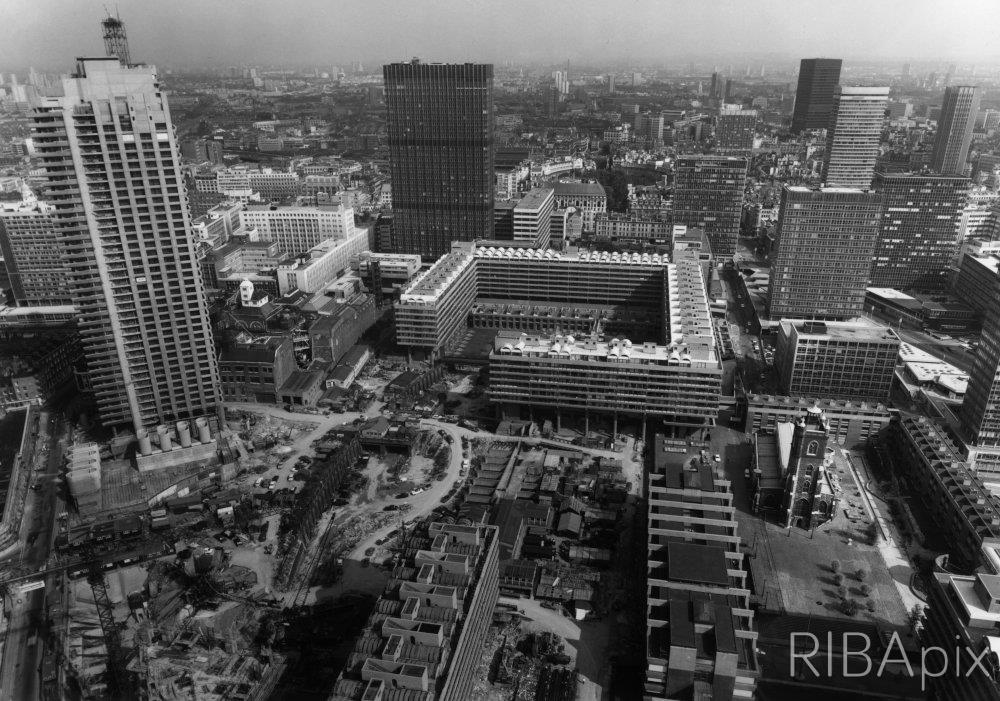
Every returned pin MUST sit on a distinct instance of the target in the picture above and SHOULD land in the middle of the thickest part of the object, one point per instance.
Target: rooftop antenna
(115, 41)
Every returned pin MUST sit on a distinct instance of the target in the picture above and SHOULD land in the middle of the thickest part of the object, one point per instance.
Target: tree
(849, 607)
(838, 578)
(842, 591)
(617, 188)
(835, 566)
(861, 574)
(865, 589)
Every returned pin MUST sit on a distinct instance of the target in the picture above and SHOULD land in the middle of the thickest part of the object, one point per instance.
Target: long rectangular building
(918, 230)
(322, 263)
(425, 638)
(961, 505)
(850, 423)
(33, 257)
(708, 194)
(299, 228)
(678, 383)
(836, 360)
(700, 637)
(826, 240)
(649, 347)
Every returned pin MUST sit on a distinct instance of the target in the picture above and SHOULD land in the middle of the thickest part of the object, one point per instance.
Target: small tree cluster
(849, 607)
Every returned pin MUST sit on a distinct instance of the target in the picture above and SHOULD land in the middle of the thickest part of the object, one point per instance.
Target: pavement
(895, 557)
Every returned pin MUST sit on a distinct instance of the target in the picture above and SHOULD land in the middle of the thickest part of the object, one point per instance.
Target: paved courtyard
(792, 567)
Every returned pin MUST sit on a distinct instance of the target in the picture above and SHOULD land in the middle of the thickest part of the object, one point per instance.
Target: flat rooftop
(991, 262)
(597, 257)
(769, 401)
(711, 158)
(512, 342)
(839, 330)
(699, 564)
(680, 464)
(888, 293)
(582, 189)
(534, 198)
(841, 190)
(426, 287)
(965, 587)
(430, 284)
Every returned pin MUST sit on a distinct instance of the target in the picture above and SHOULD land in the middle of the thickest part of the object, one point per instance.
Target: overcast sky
(48, 34)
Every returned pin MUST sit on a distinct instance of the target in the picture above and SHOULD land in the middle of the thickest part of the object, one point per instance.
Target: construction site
(250, 572)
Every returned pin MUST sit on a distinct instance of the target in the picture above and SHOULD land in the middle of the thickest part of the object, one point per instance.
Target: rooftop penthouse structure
(610, 332)
(425, 638)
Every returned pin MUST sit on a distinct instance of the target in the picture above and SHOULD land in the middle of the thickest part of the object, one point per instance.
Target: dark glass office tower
(919, 229)
(814, 94)
(440, 130)
(954, 135)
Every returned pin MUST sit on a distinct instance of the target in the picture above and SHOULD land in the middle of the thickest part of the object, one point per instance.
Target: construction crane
(115, 40)
(116, 676)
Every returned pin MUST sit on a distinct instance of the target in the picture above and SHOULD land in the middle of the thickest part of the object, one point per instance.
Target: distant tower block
(115, 41)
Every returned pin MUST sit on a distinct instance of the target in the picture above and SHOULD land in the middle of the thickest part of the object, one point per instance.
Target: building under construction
(425, 638)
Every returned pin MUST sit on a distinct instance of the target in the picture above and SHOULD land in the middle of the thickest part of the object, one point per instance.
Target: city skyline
(526, 360)
(309, 32)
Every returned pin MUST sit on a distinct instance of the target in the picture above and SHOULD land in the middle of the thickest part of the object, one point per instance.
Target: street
(425, 502)
(25, 634)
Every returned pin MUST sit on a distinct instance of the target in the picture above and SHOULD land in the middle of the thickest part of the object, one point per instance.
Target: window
(812, 448)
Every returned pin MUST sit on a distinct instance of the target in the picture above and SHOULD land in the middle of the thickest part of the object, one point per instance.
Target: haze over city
(51, 33)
